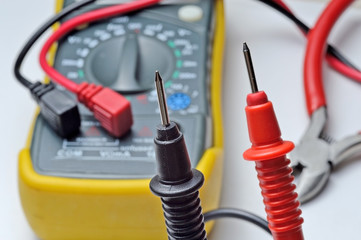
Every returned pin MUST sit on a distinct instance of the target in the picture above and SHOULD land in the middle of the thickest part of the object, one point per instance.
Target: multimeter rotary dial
(123, 52)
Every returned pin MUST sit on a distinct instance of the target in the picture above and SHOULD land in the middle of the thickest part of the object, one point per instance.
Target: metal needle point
(251, 74)
(161, 99)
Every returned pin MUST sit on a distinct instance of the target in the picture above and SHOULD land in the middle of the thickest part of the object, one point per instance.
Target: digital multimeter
(94, 186)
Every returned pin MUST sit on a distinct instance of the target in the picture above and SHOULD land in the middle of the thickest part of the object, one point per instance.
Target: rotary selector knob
(127, 64)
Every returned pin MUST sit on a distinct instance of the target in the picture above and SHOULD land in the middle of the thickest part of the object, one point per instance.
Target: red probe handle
(274, 174)
(316, 45)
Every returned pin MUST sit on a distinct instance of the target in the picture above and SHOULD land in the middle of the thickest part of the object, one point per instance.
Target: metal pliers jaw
(317, 155)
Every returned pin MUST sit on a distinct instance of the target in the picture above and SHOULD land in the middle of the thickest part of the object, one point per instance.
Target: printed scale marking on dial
(98, 56)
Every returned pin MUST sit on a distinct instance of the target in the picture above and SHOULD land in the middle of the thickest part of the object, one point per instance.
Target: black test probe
(177, 184)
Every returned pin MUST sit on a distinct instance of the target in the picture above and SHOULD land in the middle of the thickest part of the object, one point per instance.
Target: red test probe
(269, 151)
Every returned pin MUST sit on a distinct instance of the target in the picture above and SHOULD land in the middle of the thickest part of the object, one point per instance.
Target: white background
(278, 51)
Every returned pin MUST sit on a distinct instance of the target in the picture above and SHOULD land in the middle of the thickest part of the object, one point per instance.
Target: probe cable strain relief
(280, 198)
(38, 89)
(85, 92)
(184, 217)
(111, 109)
(182, 206)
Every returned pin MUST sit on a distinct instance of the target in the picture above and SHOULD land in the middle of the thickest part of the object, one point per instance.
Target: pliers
(317, 154)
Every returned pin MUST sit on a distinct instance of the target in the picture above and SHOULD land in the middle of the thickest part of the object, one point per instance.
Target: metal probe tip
(251, 74)
(161, 99)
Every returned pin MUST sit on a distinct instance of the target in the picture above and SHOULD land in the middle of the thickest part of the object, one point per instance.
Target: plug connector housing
(59, 110)
(111, 109)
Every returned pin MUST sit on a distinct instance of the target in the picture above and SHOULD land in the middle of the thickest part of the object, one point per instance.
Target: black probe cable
(239, 214)
(330, 49)
(58, 109)
(65, 12)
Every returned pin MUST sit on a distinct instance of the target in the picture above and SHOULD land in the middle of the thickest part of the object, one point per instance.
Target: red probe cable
(112, 110)
(282, 4)
(344, 69)
(79, 20)
(315, 96)
(331, 60)
(269, 151)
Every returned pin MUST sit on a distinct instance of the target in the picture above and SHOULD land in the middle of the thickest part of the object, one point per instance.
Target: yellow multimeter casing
(62, 208)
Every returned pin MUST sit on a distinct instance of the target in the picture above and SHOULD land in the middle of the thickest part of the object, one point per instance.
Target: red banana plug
(269, 151)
